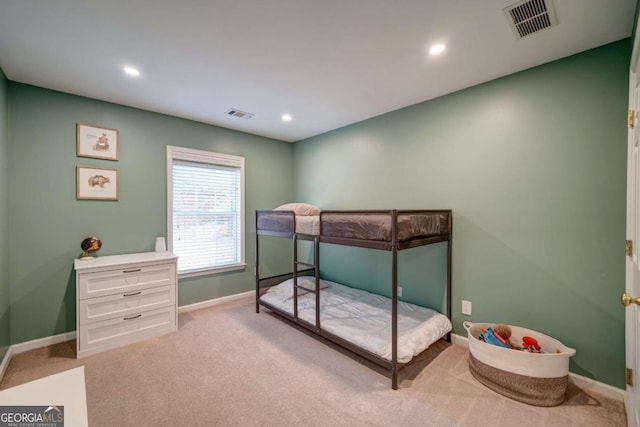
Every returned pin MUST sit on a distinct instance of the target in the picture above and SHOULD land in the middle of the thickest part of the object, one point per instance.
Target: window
(205, 210)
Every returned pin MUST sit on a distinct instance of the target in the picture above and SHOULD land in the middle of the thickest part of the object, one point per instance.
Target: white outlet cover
(466, 307)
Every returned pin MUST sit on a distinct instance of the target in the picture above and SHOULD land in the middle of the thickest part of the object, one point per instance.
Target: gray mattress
(377, 226)
(278, 221)
(363, 225)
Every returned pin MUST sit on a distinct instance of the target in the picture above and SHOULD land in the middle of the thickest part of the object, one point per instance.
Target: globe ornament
(90, 245)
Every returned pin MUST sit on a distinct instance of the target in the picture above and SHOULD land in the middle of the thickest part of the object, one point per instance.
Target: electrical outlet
(466, 307)
(399, 291)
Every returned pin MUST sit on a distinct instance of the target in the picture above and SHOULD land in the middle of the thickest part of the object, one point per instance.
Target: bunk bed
(352, 318)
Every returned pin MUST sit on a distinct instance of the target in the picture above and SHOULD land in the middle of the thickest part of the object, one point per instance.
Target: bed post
(394, 298)
(316, 267)
(295, 276)
(257, 268)
(449, 252)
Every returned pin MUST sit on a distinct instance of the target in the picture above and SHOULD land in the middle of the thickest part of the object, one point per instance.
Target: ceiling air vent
(530, 16)
(240, 114)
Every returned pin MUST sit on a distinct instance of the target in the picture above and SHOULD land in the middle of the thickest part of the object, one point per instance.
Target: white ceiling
(328, 63)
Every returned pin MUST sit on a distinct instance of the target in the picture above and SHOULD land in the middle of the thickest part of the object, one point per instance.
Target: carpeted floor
(228, 366)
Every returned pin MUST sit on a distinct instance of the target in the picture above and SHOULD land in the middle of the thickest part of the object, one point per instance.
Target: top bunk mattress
(363, 318)
(358, 225)
(288, 222)
(378, 225)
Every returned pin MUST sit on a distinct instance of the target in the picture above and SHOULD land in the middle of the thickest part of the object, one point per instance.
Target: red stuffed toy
(530, 344)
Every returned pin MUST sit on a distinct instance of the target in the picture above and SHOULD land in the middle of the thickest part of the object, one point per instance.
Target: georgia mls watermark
(32, 416)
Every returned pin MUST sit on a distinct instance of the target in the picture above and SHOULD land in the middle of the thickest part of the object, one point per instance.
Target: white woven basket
(553, 362)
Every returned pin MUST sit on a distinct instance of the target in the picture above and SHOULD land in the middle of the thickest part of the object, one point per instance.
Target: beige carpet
(228, 366)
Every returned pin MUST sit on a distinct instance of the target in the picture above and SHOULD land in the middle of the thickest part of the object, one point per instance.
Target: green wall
(48, 223)
(533, 166)
(4, 219)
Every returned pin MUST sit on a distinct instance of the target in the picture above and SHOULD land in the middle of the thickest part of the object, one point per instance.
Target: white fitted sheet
(308, 224)
(364, 319)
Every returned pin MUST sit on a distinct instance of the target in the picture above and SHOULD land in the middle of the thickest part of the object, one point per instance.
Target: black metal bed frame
(314, 270)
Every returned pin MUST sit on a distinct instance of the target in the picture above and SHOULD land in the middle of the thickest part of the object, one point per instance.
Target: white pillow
(303, 209)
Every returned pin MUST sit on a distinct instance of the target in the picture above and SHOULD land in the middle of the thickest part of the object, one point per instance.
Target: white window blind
(206, 211)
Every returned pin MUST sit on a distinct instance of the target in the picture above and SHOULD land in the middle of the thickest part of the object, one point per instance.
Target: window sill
(211, 271)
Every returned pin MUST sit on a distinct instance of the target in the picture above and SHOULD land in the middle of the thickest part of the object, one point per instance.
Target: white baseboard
(5, 362)
(213, 302)
(32, 345)
(587, 384)
(459, 340)
(584, 383)
(43, 342)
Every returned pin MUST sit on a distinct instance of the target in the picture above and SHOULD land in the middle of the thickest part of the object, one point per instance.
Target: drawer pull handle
(132, 294)
(132, 317)
(132, 271)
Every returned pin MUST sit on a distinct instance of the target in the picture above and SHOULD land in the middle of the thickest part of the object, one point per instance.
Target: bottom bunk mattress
(362, 318)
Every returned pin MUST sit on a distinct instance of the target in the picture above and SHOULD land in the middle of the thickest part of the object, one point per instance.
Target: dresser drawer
(112, 333)
(124, 304)
(125, 280)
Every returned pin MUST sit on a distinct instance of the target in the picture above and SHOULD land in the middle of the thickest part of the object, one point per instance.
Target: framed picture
(96, 183)
(97, 142)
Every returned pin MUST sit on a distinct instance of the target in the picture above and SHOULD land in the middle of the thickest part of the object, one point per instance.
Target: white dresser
(121, 299)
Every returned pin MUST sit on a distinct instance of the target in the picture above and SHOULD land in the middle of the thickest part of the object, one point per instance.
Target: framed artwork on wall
(94, 183)
(97, 142)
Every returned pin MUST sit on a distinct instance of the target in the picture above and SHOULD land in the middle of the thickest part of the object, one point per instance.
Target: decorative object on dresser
(89, 246)
(161, 246)
(121, 299)
(97, 142)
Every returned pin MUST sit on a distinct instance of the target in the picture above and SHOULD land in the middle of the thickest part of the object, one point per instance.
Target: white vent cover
(240, 114)
(530, 16)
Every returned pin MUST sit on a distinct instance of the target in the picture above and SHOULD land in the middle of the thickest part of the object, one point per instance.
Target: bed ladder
(316, 268)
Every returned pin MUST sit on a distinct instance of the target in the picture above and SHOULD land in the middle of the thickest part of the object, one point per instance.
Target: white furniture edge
(583, 383)
(214, 302)
(66, 388)
(108, 262)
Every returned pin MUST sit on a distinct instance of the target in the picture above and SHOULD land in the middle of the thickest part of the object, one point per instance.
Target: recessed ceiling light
(133, 72)
(437, 49)
(286, 117)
